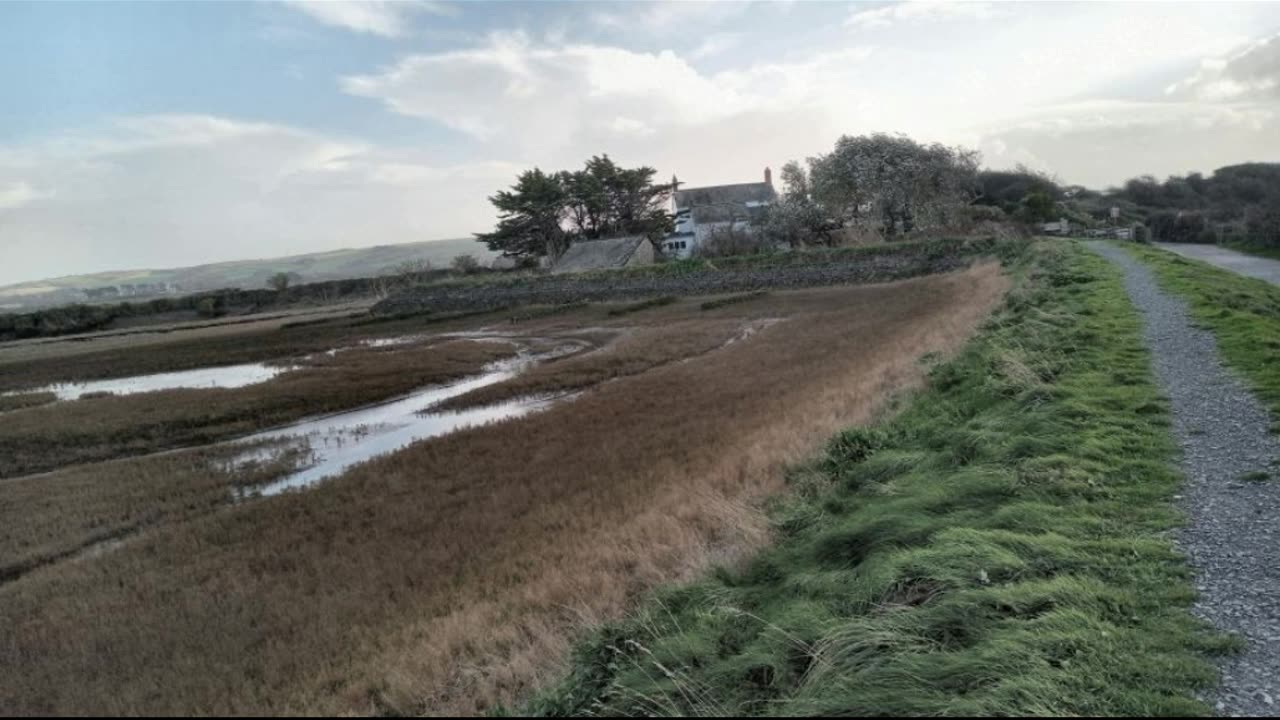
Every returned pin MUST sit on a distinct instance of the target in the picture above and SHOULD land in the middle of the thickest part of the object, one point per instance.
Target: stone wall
(797, 270)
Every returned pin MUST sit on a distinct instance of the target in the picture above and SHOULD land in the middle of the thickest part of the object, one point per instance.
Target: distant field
(451, 575)
(244, 274)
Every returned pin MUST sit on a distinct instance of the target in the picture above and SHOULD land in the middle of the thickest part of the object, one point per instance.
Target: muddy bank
(861, 266)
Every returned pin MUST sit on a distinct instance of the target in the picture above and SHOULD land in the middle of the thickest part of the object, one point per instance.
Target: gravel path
(1233, 534)
(1238, 262)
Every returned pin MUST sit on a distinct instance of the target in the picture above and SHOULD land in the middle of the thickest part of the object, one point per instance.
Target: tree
(544, 212)
(893, 180)
(794, 219)
(1263, 226)
(1009, 189)
(604, 199)
(529, 217)
(279, 281)
(1038, 207)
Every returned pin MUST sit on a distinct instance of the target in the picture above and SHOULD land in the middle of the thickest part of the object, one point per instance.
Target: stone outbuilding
(605, 254)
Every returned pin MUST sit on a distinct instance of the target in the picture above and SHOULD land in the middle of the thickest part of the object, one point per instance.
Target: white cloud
(521, 95)
(389, 18)
(716, 44)
(17, 194)
(1251, 73)
(1101, 143)
(667, 15)
(920, 11)
(175, 190)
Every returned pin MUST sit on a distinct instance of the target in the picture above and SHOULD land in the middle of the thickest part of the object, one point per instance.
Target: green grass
(1000, 548)
(1256, 476)
(1243, 314)
(1272, 253)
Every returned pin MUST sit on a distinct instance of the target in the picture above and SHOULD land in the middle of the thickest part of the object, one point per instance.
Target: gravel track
(1232, 538)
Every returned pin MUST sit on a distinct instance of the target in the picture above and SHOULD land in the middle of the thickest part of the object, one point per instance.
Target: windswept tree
(544, 212)
(893, 181)
(605, 199)
(794, 218)
(530, 217)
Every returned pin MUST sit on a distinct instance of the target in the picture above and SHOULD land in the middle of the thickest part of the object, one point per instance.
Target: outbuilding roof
(600, 254)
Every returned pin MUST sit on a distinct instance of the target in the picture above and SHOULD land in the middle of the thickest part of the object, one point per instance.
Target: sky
(161, 134)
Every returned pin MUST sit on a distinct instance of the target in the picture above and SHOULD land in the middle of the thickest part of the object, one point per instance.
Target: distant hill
(142, 284)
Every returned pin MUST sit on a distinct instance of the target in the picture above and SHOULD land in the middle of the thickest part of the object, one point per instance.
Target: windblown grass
(643, 305)
(66, 433)
(641, 350)
(1243, 313)
(22, 401)
(1000, 549)
(24, 367)
(56, 516)
(448, 577)
(734, 299)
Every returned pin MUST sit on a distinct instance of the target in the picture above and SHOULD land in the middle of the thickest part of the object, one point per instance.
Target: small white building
(1061, 227)
(701, 212)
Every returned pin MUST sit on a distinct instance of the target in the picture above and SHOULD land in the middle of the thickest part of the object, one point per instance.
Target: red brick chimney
(768, 177)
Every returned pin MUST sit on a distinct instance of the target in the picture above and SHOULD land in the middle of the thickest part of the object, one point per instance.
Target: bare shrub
(465, 264)
(733, 239)
(856, 234)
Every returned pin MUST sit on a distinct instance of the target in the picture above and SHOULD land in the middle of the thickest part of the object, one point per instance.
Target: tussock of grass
(733, 300)
(1256, 476)
(639, 352)
(643, 305)
(36, 366)
(1241, 312)
(998, 549)
(547, 311)
(107, 426)
(22, 401)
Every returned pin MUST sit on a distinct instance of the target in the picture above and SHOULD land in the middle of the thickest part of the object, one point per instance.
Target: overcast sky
(167, 134)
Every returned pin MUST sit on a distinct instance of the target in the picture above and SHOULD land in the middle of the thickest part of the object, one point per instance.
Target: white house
(701, 212)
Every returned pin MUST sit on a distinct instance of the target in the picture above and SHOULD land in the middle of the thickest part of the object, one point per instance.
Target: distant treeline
(82, 318)
(1235, 204)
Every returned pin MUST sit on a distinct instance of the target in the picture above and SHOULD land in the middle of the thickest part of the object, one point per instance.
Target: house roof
(725, 212)
(598, 254)
(739, 194)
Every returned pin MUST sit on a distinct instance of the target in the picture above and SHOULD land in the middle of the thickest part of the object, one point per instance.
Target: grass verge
(1000, 548)
(1271, 253)
(1241, 312)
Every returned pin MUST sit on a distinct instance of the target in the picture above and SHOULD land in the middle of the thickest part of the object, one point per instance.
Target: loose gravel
(1232, 538)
